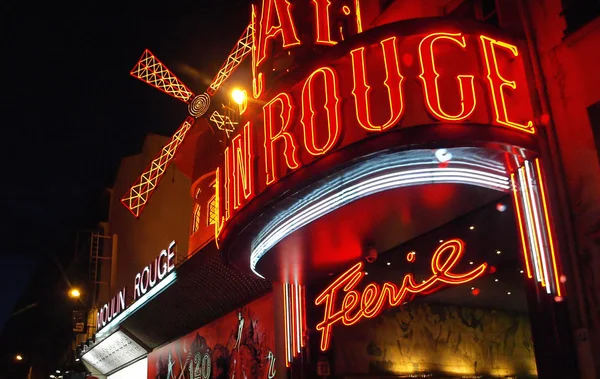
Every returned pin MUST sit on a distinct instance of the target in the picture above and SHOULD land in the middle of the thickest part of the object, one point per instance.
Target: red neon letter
(393, 82)
(268, 30)
(257, 77)
(228, 188)
(323, 33)
(332, 107)
(289, 152)
(430, 77)
(242, 166)
(497, 82)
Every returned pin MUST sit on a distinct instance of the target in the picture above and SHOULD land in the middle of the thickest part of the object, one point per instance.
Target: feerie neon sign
(391, 82)
(356, 306)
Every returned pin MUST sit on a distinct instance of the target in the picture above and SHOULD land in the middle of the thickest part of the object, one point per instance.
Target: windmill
(153, 72)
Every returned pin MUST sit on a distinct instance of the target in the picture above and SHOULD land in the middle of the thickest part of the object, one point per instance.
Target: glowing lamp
(74, 293)
(238, 96)
(19, 357)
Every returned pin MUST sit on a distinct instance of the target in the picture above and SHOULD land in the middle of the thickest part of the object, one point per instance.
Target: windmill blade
(242, 48)
(152, 71)
(138, 195)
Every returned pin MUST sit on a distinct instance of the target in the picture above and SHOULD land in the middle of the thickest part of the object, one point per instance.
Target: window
(579, 12)
(482, 10)
(212, 211)
(594, 116)
(197, 218)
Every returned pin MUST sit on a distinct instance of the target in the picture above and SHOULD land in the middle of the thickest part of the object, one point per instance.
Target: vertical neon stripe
(548, 227)
(521, 231)
(538, 228)
(286, 332)
(531, 228)
(298, 315)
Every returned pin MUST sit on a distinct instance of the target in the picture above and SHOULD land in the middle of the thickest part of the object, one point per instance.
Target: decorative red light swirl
(370, 303)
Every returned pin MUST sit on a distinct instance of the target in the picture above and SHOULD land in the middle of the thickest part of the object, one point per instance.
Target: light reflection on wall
(429, 338)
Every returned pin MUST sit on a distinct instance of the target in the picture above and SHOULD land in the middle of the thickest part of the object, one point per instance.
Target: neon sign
(356, 306)
(144, 281)
(110, 310)
(459, 78)
(162, 265)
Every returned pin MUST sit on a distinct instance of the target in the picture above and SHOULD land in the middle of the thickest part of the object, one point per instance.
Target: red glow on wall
(356, 306)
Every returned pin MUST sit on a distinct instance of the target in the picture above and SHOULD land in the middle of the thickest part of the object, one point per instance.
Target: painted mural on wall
(432, 338)
(238, 345)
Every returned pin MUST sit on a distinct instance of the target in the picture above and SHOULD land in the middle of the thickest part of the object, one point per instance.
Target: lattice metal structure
(223, 122)
(241, 50)
(136, 198)
(150, 70)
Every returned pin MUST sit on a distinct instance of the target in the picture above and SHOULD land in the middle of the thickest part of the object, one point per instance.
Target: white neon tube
(294, 218)
(538, 228)
(530, 227)
(161, 286)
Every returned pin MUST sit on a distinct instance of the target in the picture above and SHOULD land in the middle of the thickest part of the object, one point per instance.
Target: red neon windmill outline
(153, 72)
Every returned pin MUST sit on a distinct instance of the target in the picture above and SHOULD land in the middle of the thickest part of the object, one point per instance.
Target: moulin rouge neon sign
(460, 78)
(144, 281)
(356, 306)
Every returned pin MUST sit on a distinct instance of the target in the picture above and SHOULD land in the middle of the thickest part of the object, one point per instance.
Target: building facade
(407, 191)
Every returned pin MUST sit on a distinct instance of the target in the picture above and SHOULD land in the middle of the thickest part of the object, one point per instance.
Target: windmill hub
(199, 105)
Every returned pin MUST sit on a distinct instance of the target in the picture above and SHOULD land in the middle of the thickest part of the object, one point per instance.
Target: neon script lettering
(355, 305)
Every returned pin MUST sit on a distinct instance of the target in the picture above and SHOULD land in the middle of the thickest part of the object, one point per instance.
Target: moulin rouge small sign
(144, 281)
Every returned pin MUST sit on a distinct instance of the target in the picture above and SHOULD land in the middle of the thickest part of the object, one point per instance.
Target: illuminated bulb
(58, 371)
(52, 376)
(471, 227)
(563, 279)
(238, 96)
(443, 155)
(19, 357)
(498, 252)
(74, 293)
(441, 241)
(495, 280)
(558, 299)
(508, 293)
(366, 273)
(470, 262)
(389, 263)
(521, 271)
(500, 207)
(472, 288)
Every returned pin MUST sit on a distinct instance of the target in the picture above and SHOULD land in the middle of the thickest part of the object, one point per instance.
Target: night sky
(71, 111)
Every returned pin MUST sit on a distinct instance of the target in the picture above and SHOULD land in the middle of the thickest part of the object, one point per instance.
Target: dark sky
(70, 112)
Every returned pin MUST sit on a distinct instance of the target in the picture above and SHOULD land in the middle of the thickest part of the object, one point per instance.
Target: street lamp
(238, 96)
(74, 293)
